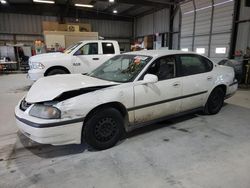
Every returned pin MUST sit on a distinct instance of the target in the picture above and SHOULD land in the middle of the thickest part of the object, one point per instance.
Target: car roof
(158, 53)
(86, 41)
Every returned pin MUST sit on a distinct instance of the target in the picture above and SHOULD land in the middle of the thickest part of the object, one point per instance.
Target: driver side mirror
(150, 78)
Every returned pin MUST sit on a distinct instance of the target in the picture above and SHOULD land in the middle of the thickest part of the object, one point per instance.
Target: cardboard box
(84, 27)
(55, 26)
(62, 27)
(148, 42)
(50, 26)
(66, 38)
(73, 28)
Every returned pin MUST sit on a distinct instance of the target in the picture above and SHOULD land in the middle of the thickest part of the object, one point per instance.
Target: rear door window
(194, 64)
(108, 48)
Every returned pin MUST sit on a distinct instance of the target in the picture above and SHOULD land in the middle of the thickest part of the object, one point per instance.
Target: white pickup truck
(81, 57)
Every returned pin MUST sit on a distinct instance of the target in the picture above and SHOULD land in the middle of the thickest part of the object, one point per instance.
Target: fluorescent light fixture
(44, 1)
(200, 50)
(115, 11)
(3, 2)
(221, 3)
(189, 12)
(84, 5)
(203, 8)
(184, 49)
(221, 50)
(111, 1)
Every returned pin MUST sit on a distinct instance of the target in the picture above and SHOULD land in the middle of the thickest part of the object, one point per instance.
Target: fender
(56, 67)
(224, 80)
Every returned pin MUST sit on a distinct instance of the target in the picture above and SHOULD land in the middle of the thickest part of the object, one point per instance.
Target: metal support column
(234, 28)
(170, 41)
(211, 29)
(194, 25)
(180, 20)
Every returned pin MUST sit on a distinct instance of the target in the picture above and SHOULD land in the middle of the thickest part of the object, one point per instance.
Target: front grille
(24, 105)
(30, 65)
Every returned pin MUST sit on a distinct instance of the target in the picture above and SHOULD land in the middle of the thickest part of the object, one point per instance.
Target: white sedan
(126, 92)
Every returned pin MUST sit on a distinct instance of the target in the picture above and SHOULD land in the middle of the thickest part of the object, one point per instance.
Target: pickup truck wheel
(215, 101)
(104, 128)
(56, 71)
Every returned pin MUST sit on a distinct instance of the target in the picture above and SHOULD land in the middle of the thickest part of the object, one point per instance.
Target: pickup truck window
(88, 49)
(108, 48)
(72, 47)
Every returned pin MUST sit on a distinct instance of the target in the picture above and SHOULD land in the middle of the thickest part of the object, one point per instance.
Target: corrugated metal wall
(109, 28)
(202, 24)
(157, 22)
(243, 36)
(176, 21)
(145, 25)
(187, 25)
(22, 24)
(31, 27)
(176, 36)
(222, 27)
(203, 17)
(25, 28)
(207, 24)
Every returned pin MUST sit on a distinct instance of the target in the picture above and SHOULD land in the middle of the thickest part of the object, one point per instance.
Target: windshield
(71, 48)
(121, 68)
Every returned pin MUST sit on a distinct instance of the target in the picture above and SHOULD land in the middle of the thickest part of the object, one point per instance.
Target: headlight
(45, 112)
(36, 65)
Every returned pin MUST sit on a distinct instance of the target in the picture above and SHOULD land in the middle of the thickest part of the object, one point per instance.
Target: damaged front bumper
(55, 132)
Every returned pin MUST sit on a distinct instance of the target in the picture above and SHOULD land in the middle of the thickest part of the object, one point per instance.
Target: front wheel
(56, 71)
(215, 101)
(104, 128)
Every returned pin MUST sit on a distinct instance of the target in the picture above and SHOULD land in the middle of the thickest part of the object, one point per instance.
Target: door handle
(95, 58)
(176, 84)
(209, 78)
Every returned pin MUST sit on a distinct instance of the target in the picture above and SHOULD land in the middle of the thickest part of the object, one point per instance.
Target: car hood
(47, 56)
(49, 88)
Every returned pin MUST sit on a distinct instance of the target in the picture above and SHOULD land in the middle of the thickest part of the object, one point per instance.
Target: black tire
(56, 71)
(104, 128)
(215, 101)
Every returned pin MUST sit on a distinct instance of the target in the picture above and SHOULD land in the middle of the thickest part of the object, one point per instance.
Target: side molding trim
(165, 101)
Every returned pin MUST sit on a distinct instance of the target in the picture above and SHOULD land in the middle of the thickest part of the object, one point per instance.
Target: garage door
(206, 27)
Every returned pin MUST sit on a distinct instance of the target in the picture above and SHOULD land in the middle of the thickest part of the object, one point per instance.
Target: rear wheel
(104, 128)
(215, 101)
(56, 71)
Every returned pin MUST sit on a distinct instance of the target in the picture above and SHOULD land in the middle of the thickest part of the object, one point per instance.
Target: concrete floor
(193, 151)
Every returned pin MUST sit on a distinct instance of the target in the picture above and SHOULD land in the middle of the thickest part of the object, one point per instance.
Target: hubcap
(105, 129)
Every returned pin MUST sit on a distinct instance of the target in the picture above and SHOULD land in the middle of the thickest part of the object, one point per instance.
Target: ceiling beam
(149, 12)
(54, 10)
(110, 7)
(93, 2)
(133, 8)
(100, 15)
(146, 3)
